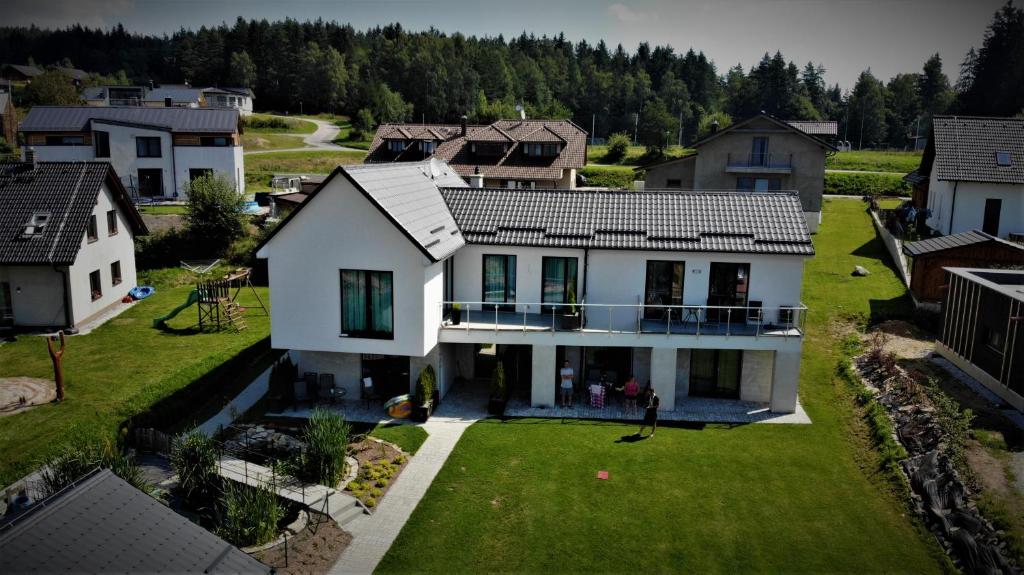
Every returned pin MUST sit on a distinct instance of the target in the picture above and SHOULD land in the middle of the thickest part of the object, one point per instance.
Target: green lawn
(408, 437)
(347, 137)
(635, 155)
(267, 141)
(163, 210)
(522, 496)
(294, 125)
(872, 161)
(117, 371)
(610, 176)
(259, 168)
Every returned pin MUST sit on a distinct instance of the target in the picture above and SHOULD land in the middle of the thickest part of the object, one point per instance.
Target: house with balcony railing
(760, 154)
(397, 266)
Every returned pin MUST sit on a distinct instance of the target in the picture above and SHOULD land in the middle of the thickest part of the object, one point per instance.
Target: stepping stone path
(315, 497)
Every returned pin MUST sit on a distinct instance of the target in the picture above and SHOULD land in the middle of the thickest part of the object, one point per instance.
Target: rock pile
(253, 437)
(939, 495)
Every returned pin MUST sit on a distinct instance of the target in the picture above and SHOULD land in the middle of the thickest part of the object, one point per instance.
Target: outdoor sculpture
(57, 357)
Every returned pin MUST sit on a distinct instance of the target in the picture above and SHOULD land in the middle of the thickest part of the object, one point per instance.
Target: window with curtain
(559, 283)
(500, 281)
(367, 299)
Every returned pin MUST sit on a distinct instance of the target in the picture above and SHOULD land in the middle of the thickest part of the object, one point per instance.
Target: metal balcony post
(698, 321)
(524, 319)
(552, 319)
(609, 321)
(495, 318)
(728, 322)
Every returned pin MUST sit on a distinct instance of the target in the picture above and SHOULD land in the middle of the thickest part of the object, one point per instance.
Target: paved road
(322, 140)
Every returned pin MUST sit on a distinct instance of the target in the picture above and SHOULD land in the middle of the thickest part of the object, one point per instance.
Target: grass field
(163, 210)
(267, 141)
(635, 155)
(521, 496)
(872, 161)
(610, 176)
(295, 126)
(117, 371)
(259, 168)
(346, 136)
(408, 437)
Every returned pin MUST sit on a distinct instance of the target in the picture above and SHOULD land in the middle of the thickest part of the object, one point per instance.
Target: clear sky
(847, 36)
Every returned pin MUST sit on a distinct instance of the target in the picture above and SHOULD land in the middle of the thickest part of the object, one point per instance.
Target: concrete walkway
(373, 535)
(319, 141)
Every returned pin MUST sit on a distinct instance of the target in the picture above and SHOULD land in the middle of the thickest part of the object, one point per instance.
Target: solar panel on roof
(1003, 158)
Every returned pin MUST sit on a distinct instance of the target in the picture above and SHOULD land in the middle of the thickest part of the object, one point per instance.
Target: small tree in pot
(456, 314)
(570, 319)
(499, 392)
(426, 390)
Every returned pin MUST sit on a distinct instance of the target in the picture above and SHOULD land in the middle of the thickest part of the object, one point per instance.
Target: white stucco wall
(99, 255)
(227, 161)
(756, 376)
(969, 210)
(37, 294)
(468, 283)
(341, 229)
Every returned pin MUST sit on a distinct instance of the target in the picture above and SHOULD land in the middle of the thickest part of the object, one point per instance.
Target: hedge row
(611, 177)
(852, 184)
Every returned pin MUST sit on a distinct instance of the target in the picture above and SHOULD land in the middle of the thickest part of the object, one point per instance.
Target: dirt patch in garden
(371, 453)
(20, 393)
(904, 339)
(315, 549)
(989, 470)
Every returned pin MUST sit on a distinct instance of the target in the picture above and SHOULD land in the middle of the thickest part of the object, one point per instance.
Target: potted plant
(499, 392)
(426, 389)
(456, 314)
(570, 320)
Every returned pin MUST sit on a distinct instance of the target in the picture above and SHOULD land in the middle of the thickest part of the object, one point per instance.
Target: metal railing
(639, 318)
(765, 160)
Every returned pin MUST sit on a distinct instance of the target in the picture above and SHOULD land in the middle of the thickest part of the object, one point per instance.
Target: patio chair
(326, 389)
(597, 395)
(367, 392)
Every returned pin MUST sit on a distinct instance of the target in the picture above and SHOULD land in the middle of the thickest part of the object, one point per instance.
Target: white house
(66, 242)
(972, 176)
(157, 151)
(696, 293)
(233, 98)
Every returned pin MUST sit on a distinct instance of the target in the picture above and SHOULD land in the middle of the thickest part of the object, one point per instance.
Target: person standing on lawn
(567, 376)
(651, 414)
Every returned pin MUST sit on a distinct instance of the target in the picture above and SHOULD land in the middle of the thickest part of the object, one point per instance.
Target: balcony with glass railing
(759, 163)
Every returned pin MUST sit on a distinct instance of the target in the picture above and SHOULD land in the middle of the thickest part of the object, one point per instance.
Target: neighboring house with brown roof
(19, 72)
(972, 175)
(761, 154)
(506, 154)
(8, 119)
(66, 242)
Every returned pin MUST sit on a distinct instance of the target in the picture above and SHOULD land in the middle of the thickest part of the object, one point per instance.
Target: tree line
(655, 95)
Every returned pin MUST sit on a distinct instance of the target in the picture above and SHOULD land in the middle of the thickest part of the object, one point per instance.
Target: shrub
(371, 502)
(327, 436)
(164, 249)
(79, 458)
(267, 123)
(376, 492)
(194, 457)
(610, 177)
(853, 184)
(249, 515)
(618, 145)
(426, 386)
(215, 213)
(282, 378)
(499, 388)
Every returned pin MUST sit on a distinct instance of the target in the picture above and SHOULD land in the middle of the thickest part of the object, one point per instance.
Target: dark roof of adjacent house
(406, 194)
(229, 90)
(816, 127)
(26, 70)
(176, 92)
(770, 223)
(943, 243)
(67, 191)
(966, 149)
(915, 177)
(74, 73)
(78, 118)
(456, 149)
(101, 524)
(785, 125)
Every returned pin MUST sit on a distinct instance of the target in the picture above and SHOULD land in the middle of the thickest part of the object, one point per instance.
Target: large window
(500, 280)
(146, 147)
(748, 184)
(664, 287)
(101, 144)
(151, 182)
(541, 149)
(367, 304)
(728, 287)
(65, 140)
(215, 141)
(559, 283)
(111, 222)
(715, 372)
(95, 287)
(759, 151)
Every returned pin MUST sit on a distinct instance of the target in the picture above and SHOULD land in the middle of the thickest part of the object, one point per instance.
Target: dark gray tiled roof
(770, 223)
(960, 240)
(104, 525)
(78, 118)
(65, 190)
(176, 92)
(26, 69)
(816, 127)
(966, 146)
(408, 194)
(915, 177)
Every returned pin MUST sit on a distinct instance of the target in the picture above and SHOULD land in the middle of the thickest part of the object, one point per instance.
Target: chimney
(30, 156)
(168, 102)
(477, 179)
(714, 126)
(464, 119)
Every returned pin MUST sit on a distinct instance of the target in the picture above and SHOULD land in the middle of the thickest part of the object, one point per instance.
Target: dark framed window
(558, 283)
(715, 372)
(749, 184)
(147, 147)
(65, 140)
(90, 231)
(196, 173)
(664, 287)
(151, 182)
(759, 151)
(499, 281)
(215, 141)
(367, 304)
(115, 273)
(541, 149)
(427, 146)
(990, 223)
(728, 287)
(112, 222)
(95, 287)
(101, 144)
(488, 148)
(674, 184)
(396, 145)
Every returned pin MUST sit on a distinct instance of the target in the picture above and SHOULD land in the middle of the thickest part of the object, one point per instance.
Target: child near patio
(567, 376)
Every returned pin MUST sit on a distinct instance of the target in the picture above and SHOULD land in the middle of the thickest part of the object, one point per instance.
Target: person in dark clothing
(651, 401)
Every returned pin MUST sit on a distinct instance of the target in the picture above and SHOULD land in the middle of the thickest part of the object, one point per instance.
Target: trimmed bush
(427, 385)
(266, 123)
(194, 457)
(618, 145)
(249, 515)
(327, 437)
(610, 177)
(79, 458)
(852, 184)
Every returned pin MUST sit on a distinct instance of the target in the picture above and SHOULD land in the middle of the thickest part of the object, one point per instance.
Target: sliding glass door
(558, 283)
(728, 286)
(715, 372)
(367, 304)
(499, 281)
(664, 287)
